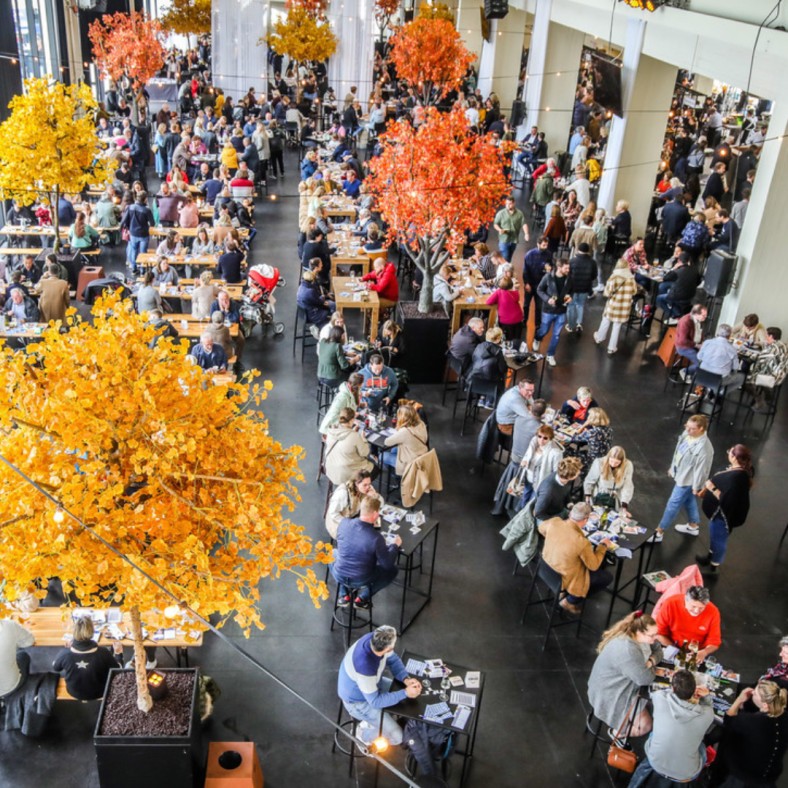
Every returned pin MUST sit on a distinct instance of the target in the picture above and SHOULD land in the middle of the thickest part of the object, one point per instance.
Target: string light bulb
(380, 745)
(59, 515)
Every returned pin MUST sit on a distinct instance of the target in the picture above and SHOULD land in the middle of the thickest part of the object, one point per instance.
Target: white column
(239, 62)
(76, 71)
(761, 277)
(353, 23)
(551, 76)
(635, 142)
(499, 67)
(469, 25)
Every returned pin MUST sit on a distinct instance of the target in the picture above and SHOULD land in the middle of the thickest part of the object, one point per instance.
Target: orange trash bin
(233, 764)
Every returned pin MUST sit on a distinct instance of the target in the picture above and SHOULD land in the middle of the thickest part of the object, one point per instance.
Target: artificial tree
(180, 476)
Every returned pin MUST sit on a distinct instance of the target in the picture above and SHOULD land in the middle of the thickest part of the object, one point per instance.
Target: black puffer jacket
(488, 362)
(582, 273)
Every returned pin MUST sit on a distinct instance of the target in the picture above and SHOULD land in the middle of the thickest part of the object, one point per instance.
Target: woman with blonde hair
(754, 739)
(540, 460)
(409, 442)
(203, 295)
(620, 289)
(609, 482)
(628, 655)
(598, 435)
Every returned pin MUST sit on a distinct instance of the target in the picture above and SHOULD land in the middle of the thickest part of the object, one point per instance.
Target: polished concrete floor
(532, 717)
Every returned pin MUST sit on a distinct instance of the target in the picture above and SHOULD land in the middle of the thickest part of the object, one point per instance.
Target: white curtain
(239, 62)
(353, 23)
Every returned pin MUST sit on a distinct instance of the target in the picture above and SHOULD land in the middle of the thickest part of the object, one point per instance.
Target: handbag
(517, 485)
(621, 756)
(606, 499)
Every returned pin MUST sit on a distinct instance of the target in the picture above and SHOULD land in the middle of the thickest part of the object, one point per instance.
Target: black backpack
(430, 747)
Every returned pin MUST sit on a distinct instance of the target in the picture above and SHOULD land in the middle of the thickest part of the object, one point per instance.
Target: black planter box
(426, 338)
(151, 761)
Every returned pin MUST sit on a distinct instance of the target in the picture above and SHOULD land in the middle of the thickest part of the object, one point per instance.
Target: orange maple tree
(180, 476)
(128, 45)
(384, 13)
(315, 8)
(430, 56)
(432, 183)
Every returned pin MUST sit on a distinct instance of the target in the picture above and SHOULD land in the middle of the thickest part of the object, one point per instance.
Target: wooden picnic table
(149, 260)
(351, 294)
(472, 299)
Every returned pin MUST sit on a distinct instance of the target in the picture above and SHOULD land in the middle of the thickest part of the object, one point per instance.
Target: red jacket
(685, 333)
(384, 284)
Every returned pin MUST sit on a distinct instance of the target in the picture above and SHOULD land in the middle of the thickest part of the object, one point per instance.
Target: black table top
(410, 540)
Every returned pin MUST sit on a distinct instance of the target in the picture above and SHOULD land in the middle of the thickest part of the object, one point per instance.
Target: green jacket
(331, 361)
(343, 399)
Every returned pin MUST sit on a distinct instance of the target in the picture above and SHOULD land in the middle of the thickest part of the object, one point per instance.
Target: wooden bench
(62, 693)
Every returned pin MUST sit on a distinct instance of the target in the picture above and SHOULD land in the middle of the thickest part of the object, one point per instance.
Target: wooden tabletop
(471, 299)
(344, 291)
(50, 624)
(149, 259)
(26, 331)
(184, 232)
(190, 326)
(13, 229)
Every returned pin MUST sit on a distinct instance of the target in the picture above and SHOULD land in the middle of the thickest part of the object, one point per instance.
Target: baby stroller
(258, 305)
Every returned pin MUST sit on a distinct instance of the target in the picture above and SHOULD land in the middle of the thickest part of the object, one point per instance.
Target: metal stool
(352, 751)
(348, 617)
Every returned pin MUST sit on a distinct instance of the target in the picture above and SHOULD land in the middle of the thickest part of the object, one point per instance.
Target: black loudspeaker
(719, 272)
(496, 9)
(518, 112)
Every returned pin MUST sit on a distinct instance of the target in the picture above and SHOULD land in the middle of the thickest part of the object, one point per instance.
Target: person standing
(137, 220)
(726, 502)
(689, 470)
(509, 222)
(620, 289)
(537, 263)
(14, 662)
(363, 690)
(675, 750)
(582, 273)
(555, 292)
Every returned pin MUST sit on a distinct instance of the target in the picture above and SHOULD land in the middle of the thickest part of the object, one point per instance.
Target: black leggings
(277, 159)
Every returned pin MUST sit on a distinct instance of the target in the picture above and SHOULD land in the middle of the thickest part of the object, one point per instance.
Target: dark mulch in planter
(410, 309)
(169, 716)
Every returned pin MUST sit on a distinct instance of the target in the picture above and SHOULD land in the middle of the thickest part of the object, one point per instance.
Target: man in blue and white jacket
(363, 689)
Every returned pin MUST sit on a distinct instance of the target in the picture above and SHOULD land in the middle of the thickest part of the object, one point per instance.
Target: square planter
(148, 759)
(427, 339)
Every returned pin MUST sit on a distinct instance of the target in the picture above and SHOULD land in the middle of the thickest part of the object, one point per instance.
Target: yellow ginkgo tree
(178, 475)
(48, 145)
(188, 17)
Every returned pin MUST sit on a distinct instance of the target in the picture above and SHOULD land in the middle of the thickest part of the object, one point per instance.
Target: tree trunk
(55, 221)
(144, 700)
(431, 256)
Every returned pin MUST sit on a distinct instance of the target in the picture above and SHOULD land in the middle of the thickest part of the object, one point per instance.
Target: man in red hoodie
(382, 279)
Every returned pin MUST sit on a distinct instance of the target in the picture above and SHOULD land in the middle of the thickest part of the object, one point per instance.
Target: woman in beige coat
(347, 451)
(410, 438)
(619, 291)
(55, 298)
(203, 295)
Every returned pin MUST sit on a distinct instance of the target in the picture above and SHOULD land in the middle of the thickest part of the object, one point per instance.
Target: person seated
(628, 655)
(554, 492)
(362, 559)
(391, 342)
(751, 331)
(309, 164)
(442, 290)
(382, 279)
(379, 383)
(779, 673)
(29, 272)
(726, 236)
(576, 410)
(331, 359)
(464, 342)
(82, 235)
(720, 357)
(163, 327)
(514, 402)
(14, 661)
(21, 307)
(347, 396)
(85, 665)
(676, 751)
(346, 451)
(351, 185)
(677, 289)
(689, 332)
(164, 274)
(768, 370)
(209, 356)
(346, 500)
(695, 236)
(315, 246)
(691, 618)
(598, 436)
(220, 332)
(310, 298)
(510, 314)
(212, 188)
(408, 442)
(225, 306)
(569, 552)
(488, 362)
(231, 264)
(609, 482)
(360, 685)
(374, 239)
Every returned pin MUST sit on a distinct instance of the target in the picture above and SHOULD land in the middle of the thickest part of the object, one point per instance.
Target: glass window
(36, 25)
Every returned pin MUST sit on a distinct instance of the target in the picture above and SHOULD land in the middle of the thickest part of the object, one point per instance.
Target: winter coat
(521, 535)
(620, 289)
(568, 552)
(412, 442)
(347, 453)
(423, 475)
(488, 363)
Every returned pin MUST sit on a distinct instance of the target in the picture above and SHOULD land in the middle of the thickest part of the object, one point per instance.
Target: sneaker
(272, 177)
(151, 664)
(362, 604)
(611, 352)
(597, 340)
(314, 331)
(551, 360)
(569, 329)
(344, 601)
(599, 289)
(575, 610)
(535, 345)
(710, 570)
(683, 373)
(656, 537)
(579, 329)
(672, 321)
(690, 530)
(703, 560)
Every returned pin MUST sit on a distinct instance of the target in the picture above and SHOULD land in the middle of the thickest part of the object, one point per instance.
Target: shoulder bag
(620, 755)
(516, 486)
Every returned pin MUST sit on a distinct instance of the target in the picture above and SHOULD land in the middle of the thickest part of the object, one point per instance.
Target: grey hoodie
(673, 749)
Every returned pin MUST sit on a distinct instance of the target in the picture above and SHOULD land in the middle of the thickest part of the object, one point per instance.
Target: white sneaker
(656, 537)
(569, 329)
(690, 530)
(683, 373)
(551, 360)
(314, 331)
(535, 345)
(151, 664)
